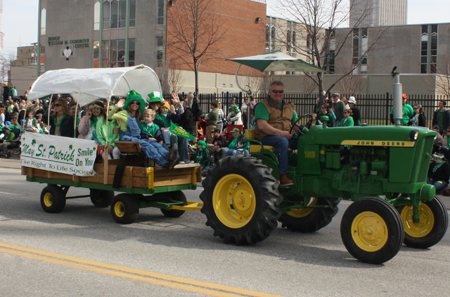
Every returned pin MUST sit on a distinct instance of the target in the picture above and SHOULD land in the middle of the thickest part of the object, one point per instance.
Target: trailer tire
(311, 219)
(53, 199)
(101, 198)
(125, 209)
(241, 200)
(177, 196)
(432, 226)
(372, 230)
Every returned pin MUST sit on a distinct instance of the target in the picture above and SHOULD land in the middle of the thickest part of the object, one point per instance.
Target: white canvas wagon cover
(87, 85)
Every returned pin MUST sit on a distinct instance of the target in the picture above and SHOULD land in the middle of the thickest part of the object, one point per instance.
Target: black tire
(431, 228)
(372, 230)
(166, 197)
(53, 199)
(241, 200)
(311, 219)
(125, 209)
(101, 198)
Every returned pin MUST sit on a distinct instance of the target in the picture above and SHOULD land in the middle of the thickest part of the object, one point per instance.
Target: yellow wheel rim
(302, 211)
(369, 231)
(119, 209)
(234, 201)
(48, 199)
(423, 227)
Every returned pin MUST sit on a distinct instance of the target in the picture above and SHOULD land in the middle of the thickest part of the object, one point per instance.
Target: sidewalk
(15, 164)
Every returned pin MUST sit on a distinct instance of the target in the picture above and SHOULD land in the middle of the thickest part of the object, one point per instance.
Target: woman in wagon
(129, 118)
(88, 123)
(438, 172)
(61, 123)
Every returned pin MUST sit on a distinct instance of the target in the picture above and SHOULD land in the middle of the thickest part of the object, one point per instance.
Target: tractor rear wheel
(241, 200)
(101, 198)
(430, 229)
(53, 199)
(311, 219)
(372, 230)
(125, 209)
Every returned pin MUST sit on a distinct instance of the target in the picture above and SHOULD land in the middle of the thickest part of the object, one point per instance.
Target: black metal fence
(375, 109)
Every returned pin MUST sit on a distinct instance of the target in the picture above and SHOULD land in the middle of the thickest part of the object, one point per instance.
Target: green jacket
(9, 137)
(348, 123)
(101, 132)
(151, 130)
(202, 157)
(122, 116)
(213, 116)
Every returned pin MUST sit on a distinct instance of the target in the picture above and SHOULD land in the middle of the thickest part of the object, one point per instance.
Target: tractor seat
(255, 148)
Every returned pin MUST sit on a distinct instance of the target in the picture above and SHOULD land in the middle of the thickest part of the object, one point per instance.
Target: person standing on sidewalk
(441, 118)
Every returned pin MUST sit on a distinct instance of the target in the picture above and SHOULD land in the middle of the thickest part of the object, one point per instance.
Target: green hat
(44, 100)
(235, 130)
(134, 96)
(155, 97)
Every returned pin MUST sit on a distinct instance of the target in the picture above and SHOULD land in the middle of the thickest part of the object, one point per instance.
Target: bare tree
(443, 78)
(174, 80)
(194, 31)
(5, 66)
(318, 40)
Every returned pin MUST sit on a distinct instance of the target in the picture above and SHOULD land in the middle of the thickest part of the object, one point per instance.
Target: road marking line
(8, 193)
(130, 273)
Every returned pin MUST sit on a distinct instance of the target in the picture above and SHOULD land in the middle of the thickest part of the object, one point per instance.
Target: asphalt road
(83, 252)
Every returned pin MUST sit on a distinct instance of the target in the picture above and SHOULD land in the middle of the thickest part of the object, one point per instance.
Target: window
(159, 58)
(43, 21)
(97, 15)
(159, 41)
(114, 14)
(360, 48)
(272, 33)
(113, 53)
(288, 40)
(161, 12)
(267, 37)
(428, 48)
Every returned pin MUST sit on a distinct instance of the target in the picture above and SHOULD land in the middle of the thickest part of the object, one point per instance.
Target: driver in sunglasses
(274, 119)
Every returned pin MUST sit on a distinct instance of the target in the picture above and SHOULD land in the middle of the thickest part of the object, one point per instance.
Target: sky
(19, 20)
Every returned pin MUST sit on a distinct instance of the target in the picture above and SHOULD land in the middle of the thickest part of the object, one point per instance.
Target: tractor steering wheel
(307, 125)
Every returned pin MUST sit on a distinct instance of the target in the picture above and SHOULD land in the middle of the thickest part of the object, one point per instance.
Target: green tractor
(382, 169)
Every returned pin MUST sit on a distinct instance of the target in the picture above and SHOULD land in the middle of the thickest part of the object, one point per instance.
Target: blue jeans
(183, 149)
(438, 184)
(231, 152)
(281, 144)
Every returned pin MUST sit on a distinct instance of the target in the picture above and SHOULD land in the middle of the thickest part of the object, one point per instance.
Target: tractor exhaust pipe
(398, 105)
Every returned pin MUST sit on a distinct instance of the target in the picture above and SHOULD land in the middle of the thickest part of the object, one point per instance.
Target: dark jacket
(445, 120)
(196, 110)
(187, 122)
(356, 115)
(442, 173)
(66, 127)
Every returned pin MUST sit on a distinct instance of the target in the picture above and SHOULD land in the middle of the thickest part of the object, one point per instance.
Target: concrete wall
(22, 78)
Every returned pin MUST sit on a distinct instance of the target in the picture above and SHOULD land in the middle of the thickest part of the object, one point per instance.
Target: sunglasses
(278, 92)
(58, 105)
(135, 102)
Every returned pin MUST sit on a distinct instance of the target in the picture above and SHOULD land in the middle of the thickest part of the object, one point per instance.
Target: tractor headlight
(414, 134)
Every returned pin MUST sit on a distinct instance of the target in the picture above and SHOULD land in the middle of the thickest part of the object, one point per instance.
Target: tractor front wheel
(311, 219)
(125, 209)
(53, 199)
(241, 200)
(430, 229)
(372, 230)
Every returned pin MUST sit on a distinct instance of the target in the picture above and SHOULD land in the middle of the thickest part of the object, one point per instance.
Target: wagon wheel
(241, 200)
(101, 198)
(372, 230)
(53, 199)
(125, 209)
(174, 196)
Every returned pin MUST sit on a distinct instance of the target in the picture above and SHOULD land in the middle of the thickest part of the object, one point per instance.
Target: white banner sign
(59, 154)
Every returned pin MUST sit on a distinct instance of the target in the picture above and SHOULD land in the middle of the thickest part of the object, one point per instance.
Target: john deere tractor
(382, 169)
